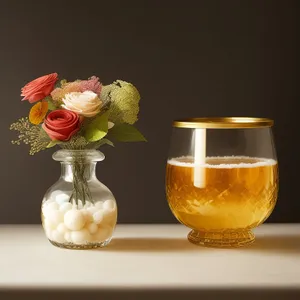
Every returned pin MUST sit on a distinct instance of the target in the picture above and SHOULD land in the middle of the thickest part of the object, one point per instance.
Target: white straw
(199, 157)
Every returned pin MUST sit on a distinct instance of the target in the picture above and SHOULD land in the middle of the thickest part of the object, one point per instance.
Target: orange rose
(39, 88)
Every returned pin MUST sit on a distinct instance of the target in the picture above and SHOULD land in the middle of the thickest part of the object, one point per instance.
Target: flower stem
(81, 189)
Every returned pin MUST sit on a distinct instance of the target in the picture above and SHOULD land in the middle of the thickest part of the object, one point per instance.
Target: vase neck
(86, 170)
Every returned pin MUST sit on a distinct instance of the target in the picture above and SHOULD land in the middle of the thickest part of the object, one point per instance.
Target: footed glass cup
(222, 178)
(78, 211)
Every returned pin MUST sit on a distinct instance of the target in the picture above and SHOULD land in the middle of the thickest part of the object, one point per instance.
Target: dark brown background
(187, 58)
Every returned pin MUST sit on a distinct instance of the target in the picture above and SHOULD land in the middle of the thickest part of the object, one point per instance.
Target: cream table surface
(154, 261)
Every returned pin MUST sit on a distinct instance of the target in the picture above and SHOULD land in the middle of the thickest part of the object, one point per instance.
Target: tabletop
(156, 259)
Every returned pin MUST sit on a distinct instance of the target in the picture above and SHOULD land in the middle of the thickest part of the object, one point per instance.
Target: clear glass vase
(78, 211)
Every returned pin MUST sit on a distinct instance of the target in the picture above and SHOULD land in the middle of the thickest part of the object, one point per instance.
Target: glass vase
(222, 178)
(78, 211)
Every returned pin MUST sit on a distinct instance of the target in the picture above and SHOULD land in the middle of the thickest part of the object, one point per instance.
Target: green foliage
(97, 128)
(53, 143)
(60, 83)
(29, 134)
(77, 142)
(106, 141)
(96, 145)
(124, 101)
(51, 103)
(126, 133)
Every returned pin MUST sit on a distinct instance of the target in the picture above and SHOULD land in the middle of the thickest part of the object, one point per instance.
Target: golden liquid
(236, 192)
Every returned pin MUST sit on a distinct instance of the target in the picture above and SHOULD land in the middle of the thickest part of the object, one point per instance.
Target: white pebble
(109, 205)
(87, 216)
(87, 204)
(61, 228)
(99, 205)
(103, 234)
(52, 206)
(93, 228)
(44, 211)
(68, 237)
(80, 205)
(64, 207)
(55, 216)
(48, 224)
(110, 218)
(47, 200)
(48, 227)
(55, 193)
(62, 198)
(74, 219)
(92, 210)
(80, 236)
(57, 237)
(98, 216)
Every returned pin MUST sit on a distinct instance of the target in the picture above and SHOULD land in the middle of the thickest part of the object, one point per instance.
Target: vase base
(80, 247)
(225, 239)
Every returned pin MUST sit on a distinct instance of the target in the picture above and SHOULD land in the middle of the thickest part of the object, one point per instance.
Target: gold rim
(227, 122)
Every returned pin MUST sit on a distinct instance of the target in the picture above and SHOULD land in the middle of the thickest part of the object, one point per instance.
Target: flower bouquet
(79, 116)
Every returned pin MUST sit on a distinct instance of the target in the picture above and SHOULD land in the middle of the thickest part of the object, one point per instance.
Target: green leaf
(106, 141)
(59, 83)
(100, 143)
(126, 133)
(51, 105)
(97, 129)
(53, 143)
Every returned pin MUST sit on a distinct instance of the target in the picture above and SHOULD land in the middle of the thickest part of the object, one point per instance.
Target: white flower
(86, 104)
(110, 125)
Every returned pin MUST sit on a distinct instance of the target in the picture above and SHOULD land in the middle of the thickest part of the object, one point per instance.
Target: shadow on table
(151, 244)
(275, 244)
(282, 244)
(152, 293)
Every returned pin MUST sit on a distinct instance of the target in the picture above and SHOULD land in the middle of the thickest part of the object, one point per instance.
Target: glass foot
(80, 247)
(225, 239)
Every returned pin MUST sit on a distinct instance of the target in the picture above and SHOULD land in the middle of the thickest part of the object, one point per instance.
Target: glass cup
(222, 178)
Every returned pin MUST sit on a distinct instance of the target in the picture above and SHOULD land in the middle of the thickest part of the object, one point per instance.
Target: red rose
(39, 88)
(61, 124)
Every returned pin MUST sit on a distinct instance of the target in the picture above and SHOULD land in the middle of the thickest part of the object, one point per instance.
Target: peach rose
(61, 124)
(39, 88)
